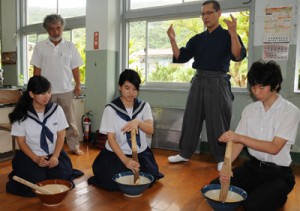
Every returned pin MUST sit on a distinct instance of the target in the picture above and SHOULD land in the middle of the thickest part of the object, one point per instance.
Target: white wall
(8, 25)
(102, 16)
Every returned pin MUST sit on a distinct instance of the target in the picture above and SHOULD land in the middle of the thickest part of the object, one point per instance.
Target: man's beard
(55, 39)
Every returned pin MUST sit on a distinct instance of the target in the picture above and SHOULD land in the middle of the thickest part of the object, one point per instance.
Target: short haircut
(130, 76)
(52, 19)
(216, 4)
(265, 73)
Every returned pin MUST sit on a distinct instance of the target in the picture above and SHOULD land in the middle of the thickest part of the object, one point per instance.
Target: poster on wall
(277, 33)
(276, 51)
(9, 57)
(277, 26)
(96, 40)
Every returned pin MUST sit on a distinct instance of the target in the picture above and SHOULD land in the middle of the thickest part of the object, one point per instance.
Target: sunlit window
(37, 9)
(77, 36)
(297, 71)
(32, 31)
(150, 53)
(137, 4)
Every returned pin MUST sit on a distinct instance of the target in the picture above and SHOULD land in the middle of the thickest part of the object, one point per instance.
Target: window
(37, 9)
(154, 63)
(77, 36)
(148, 47)
(31, 31)
(137, 4)
(297, 69)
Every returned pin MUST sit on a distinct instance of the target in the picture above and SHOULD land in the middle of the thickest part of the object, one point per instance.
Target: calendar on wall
(276, 51)
(277, 27)
(277, 33)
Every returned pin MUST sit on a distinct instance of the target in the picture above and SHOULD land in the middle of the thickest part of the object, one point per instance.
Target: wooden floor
(178, 190)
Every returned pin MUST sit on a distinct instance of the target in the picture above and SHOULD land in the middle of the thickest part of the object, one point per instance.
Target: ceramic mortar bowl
(236, 196)
(127, 186)
(59, 188)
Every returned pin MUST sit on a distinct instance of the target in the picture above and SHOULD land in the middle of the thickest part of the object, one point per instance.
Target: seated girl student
(122, 115)
(39, 126)
(268, 128)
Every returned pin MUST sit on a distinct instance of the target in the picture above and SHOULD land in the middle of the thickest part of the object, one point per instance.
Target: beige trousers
(65, 100)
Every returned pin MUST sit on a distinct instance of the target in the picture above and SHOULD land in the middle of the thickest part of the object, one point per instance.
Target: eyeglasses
(208, 13)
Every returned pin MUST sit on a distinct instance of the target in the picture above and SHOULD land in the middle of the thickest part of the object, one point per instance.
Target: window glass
(154, 63)
(72, 8)
(42, 37)
(137, 48)
(200, 0)
(138, 4)
(35, 11)
(38, 9)
(297, 69)
(78, 38)
(297, 78)
(31, 41)
(67, 35)
(238, 70)
(151, 55)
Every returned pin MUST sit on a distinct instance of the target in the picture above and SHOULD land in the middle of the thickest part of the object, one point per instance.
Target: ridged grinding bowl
(60, 187)
(127, 186)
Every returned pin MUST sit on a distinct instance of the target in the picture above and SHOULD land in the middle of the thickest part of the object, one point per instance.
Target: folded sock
(176, 159)
(219, 166)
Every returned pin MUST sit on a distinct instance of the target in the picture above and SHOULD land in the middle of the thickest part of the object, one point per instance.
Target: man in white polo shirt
(58, 60)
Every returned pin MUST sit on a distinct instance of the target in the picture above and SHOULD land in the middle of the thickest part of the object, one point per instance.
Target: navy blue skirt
(25, 168)
(107, 164)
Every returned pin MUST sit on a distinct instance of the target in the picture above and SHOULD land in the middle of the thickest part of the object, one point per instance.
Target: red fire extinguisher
(86, 126)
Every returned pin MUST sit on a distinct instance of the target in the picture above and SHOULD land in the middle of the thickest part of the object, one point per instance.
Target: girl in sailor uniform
(39, 126)
(122, 115)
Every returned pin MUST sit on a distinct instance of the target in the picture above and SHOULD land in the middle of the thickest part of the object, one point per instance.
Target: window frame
(297, 61)
(184, 10)
(37, 29)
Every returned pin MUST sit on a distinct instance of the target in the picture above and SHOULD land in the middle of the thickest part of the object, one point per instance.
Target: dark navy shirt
(211, 51)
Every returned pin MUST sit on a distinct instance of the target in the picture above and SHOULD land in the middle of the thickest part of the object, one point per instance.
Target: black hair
(131, 76)
(265, 73)
(216, 5)
(52, 19)
(37, 85)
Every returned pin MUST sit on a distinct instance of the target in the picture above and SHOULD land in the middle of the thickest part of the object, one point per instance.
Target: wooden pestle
(31, 185)
(135, 156)
(227, 171)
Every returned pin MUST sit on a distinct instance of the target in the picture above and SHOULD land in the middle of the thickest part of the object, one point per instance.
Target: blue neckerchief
(120, 109)
(45, 133)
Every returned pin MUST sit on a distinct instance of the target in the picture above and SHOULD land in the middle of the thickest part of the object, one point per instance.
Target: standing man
(210, 96)
(58, 60)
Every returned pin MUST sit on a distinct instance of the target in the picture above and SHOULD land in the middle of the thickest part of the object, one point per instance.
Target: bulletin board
(9, 57)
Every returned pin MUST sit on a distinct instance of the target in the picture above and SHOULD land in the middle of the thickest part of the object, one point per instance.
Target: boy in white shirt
(268, 129)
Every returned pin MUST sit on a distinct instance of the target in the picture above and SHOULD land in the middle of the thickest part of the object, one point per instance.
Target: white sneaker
(220, 166)
(176, 159)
